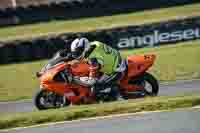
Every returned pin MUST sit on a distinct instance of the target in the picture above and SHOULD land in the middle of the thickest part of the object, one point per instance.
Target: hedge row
(77, 9)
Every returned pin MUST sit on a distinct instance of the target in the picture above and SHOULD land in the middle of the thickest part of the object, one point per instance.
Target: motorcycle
(57, 88)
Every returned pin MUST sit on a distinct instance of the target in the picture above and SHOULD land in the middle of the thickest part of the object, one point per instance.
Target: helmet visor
(76, 54)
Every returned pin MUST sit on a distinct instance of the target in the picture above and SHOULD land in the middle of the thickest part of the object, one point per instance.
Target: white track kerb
(98, 118)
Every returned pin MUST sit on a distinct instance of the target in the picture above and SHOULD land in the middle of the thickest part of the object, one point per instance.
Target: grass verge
(174, 62)
(77, 112)
(89, 24)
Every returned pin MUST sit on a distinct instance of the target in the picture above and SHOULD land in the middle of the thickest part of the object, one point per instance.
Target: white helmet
(79, 46)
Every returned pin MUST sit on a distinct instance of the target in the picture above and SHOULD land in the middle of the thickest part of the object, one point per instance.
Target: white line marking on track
(18, 102)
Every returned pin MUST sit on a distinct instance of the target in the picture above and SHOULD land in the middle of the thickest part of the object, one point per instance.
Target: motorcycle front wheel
(48, 100)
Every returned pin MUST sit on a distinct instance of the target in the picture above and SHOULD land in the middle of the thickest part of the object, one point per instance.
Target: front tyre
(47, 100)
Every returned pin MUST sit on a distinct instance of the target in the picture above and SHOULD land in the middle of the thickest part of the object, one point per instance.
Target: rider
(101, 59)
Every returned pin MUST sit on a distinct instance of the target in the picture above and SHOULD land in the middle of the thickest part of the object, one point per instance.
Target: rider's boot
(116, 93)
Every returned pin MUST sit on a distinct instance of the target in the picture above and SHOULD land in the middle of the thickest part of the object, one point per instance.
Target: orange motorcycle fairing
(80, 69)
(137, 65)
(73, 92)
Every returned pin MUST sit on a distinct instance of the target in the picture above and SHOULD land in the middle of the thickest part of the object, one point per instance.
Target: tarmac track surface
(175, 88)
(182, 121)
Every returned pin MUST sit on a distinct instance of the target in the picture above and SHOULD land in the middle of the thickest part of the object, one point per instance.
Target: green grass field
(85, 111)
(182, 61)
(88, 24)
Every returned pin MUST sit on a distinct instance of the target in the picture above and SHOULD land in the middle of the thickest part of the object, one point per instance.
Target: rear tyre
(149, 83)
(153, 88)
(47, 100)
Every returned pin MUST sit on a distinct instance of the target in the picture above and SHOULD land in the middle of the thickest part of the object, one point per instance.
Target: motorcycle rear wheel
(152, 81)
(150, 84)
